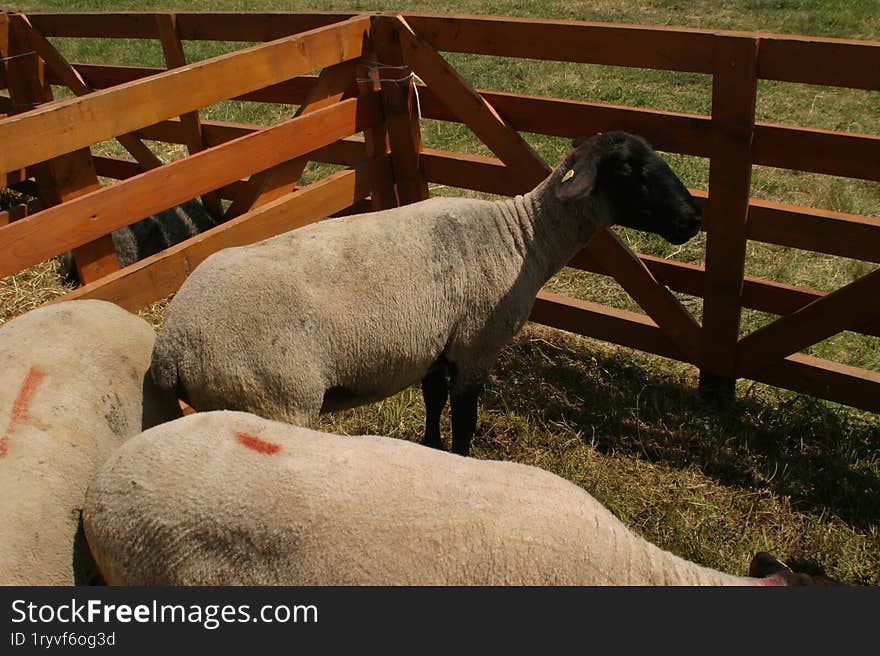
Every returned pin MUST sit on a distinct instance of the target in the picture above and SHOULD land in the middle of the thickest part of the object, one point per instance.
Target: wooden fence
(46, 151)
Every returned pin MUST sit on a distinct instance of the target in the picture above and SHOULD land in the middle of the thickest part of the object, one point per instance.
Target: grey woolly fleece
(151, 235)
(74, 387)
(360, 307)
(228, 498)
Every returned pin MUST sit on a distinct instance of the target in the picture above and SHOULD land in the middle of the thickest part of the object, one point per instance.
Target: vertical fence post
(734, 90)
(60, 178)
(191, 125)
(4, 53)
(401, 112)
(383, 195)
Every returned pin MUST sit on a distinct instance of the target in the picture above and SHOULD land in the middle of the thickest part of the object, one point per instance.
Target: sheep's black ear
(578, 175)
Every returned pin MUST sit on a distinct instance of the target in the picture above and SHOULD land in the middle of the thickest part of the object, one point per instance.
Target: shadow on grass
(825, 459)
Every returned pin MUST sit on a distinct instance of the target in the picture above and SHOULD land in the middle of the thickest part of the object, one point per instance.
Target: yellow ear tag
(569, 175)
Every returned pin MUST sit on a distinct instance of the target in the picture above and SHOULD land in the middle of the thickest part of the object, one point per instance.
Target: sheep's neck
(544, 232)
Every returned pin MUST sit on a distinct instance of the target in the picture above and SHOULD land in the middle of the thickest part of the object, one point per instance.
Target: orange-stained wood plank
(345, 151)
(211, 26)
(55, 230)
(677, 49)
(103, 76)
(845, 154)
(853, 386)
(758, 294)
(172, 50)
(822, 231)
(475, 172)
(4, 51)
(662, 306)
(806, 59)
(813, 60)
(96, 259)
(734, 90)
(850, 306)
(601, 322)
(13, 178)
(807, 149)
(825, 379)
(122, 169)
(215, 132)
(376, 139)
(254, 26)
(69, 77)
(265, 186)
(376, 143)
(402, 121)
(59, 179)
(185, 408)
(468, 105)
(45, 131)
(14, 213)
(155, 277)
(670, 131)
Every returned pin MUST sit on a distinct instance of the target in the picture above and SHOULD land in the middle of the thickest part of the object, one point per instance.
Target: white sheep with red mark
(74, 386)
(229, 498)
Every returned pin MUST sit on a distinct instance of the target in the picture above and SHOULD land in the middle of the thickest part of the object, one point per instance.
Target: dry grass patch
(778, 472)
(30, 288)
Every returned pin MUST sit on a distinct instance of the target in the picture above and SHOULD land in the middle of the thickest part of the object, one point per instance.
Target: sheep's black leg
(464, 419)
(434, 391)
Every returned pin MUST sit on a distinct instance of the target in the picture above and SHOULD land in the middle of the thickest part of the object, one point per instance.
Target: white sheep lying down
(229, 498)
(75, 385)
(353, 310)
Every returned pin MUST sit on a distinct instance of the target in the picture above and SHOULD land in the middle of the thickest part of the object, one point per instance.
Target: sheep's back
(229, 498)
(372, 298)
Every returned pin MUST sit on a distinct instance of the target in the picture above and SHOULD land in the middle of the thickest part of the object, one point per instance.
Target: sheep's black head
(765, 566)
(631, 183)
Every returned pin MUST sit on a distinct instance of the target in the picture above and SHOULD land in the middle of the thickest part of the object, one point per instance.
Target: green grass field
(778, 471)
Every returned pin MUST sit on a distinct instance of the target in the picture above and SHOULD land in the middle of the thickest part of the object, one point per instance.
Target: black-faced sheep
(75, 385)
(151, 235)
(350, 311)
(228, 498)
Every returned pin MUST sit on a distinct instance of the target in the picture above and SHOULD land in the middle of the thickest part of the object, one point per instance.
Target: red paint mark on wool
(255, 443)
(19, 411)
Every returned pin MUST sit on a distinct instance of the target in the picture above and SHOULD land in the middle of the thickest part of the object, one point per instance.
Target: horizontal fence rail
(808, 60)
(155, 277)
(811, 150)
(146, 102)
(45, 132)
(81, 220)
(192, 26)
